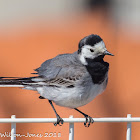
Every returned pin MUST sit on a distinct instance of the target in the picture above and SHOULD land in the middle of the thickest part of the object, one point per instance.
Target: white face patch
(91, 52)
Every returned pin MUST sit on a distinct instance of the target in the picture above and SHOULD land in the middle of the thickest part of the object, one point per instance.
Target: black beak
(108, 53)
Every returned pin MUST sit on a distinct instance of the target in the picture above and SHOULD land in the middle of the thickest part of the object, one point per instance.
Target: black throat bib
(97, 68)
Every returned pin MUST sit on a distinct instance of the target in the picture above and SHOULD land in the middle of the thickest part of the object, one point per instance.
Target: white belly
(72, 97)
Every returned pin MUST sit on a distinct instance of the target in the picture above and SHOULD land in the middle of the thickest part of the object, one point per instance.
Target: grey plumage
(63, 65)
(66, 67)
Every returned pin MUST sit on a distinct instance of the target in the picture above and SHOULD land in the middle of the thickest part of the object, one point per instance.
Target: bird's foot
(59, 121)
(88, 121)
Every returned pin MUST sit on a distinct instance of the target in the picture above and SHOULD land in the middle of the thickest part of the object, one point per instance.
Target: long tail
(16, 82)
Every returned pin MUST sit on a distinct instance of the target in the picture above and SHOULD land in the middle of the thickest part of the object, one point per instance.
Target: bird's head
(92, 47)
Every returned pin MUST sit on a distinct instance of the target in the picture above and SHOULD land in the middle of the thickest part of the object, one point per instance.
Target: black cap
(89, 40)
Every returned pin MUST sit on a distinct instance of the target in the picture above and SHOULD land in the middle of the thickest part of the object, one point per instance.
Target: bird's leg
(59, 119)
(89, 119)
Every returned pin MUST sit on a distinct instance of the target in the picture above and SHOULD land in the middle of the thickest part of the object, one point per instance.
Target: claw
(88, 121)
(59, 121)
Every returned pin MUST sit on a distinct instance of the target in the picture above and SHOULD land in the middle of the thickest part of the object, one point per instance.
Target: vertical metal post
(13, 129)
(71, 130)
(128, 134)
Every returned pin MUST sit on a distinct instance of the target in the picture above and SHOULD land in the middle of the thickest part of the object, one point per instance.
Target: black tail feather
(15, 80)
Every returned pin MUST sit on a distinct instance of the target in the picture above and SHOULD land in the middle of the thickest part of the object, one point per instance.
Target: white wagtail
(70, 80)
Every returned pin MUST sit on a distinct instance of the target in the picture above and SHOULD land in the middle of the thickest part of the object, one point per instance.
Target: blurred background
(36, 30)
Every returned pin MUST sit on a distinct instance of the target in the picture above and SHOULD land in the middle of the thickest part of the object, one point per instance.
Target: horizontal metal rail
(11, 86)
(66, 120)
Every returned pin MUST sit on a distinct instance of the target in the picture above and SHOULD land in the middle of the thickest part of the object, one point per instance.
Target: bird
(70, 80)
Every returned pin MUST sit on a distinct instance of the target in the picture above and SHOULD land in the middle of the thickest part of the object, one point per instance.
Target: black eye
(91, 50)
